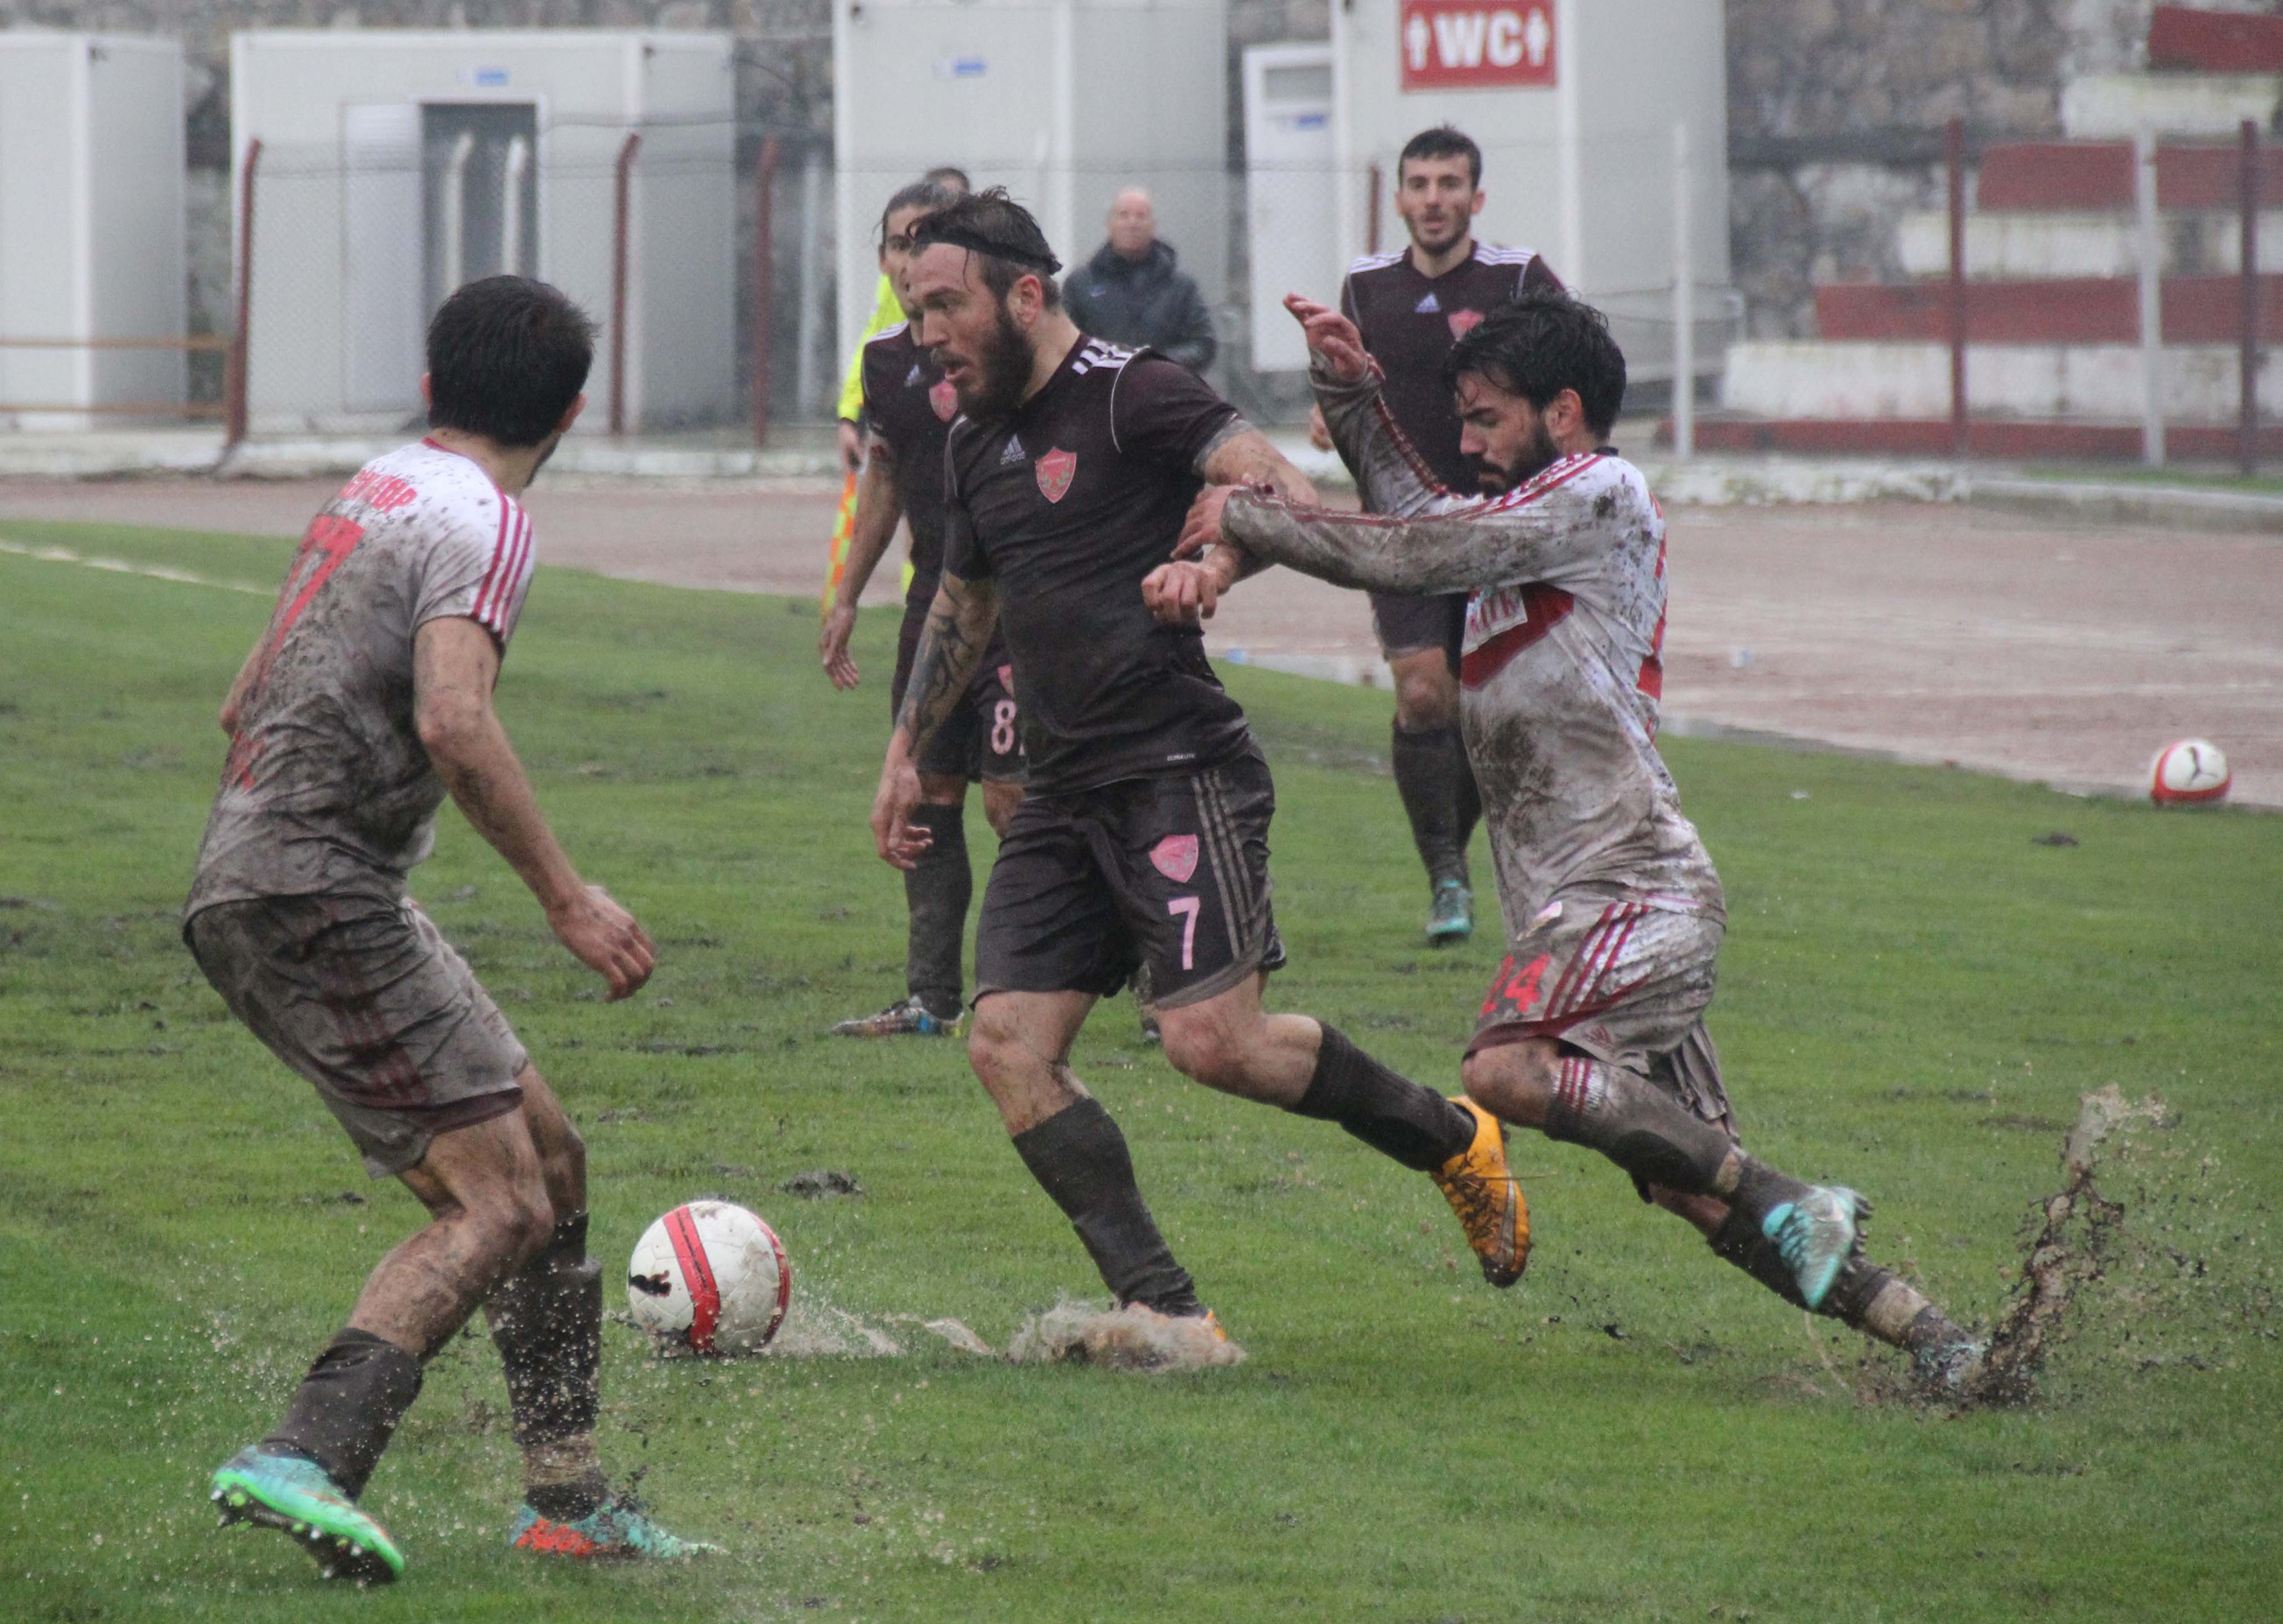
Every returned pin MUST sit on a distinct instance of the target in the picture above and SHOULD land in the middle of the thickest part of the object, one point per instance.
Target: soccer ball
(709, 1277)
(2188, 772)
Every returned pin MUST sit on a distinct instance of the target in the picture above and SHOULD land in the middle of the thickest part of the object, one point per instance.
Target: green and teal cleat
(1452, 917)
(618, 1530)
(1816, 1235)
(909, 1018)
(297, 1497)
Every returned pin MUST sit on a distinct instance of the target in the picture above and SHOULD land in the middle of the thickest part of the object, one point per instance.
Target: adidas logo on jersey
(911, 380)
(1013, 454)
(1426, 307)
(1107, 356)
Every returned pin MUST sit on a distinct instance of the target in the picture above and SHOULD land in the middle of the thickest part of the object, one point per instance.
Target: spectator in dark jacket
(1132, 293)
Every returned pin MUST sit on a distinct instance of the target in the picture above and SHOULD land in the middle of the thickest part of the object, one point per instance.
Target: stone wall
(1836, 116)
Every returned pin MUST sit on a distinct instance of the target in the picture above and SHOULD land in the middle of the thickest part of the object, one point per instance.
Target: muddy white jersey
(1562, 667)
(327, 788)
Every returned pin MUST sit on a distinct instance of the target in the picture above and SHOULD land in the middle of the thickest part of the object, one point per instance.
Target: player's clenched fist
(1333, 341)
(605, 938)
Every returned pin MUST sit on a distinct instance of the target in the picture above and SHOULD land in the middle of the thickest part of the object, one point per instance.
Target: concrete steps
(1997, 439)
(2185, 39)
(2115, 106)
(2071, 310)
(1806, 378)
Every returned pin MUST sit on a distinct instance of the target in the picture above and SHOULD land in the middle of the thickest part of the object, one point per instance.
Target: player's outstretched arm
(958, 626)
(1551, 536)
(879, 508)
(1388, 475)
(454, 664)
(1186, 590)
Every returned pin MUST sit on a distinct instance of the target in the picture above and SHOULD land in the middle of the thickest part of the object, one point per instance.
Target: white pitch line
(121, 566)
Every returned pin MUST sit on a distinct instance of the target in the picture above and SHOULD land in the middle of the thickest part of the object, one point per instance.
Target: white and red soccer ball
(2188, 772)
(709, 1277)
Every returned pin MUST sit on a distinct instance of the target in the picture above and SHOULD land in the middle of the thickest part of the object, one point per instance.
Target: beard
(1002, 371)
(1538, 454)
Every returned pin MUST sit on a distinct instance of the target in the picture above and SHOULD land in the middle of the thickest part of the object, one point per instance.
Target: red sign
(1475, 44)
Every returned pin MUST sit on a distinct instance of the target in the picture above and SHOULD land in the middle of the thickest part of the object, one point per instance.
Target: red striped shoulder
(510, 570)
(1550, 480)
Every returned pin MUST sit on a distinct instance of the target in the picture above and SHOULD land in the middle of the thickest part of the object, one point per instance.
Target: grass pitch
(1914, 996)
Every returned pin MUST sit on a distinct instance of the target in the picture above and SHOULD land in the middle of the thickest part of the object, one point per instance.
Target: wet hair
(1443, 141)
(929, 195)
(951, 177)
(1002, 236)
(1539, 343)
(506, 357)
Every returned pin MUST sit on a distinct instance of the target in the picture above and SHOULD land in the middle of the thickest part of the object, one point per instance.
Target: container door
(1292, 209)
(385, 317)
(480, 187)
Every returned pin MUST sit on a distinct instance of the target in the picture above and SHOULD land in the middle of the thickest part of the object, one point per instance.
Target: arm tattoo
(1241, 455)
(958, 626)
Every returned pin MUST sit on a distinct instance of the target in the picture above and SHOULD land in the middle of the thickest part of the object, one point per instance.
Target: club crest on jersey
(1428, 306)
(1464, 322)
(944, 399)
(1175, 857)
(1054, 471)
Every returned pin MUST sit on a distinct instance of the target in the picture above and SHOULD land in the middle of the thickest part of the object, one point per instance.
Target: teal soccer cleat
(618, 1530)
(297, 1497)
(1816, 1235)
(1452, 918)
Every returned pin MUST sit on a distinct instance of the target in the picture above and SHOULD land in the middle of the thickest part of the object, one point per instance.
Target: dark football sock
(347, 1406)
(938, 893)
(1654, 1136)
(1079, 1159)
(1385, 1109)
(546, 1322)
(1872, 1300)
(1470, 799)
(1428, 769)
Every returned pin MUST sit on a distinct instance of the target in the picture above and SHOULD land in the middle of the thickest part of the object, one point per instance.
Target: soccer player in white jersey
(367, 698)
(1594, 1029)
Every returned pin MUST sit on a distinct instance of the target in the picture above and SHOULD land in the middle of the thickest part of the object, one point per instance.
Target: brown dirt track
(2057, 649)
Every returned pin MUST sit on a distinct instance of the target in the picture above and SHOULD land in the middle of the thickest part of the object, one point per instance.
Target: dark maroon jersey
(907, 403)
(1409, 323)
(1064, 507)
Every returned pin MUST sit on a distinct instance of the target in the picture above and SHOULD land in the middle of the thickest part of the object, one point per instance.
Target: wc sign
(1475, 44)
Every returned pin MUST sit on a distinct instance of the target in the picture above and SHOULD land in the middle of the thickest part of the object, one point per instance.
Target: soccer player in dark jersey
(908, 412)
(1594, 1029)
(368, 697)
(1142, 842)
(1411, 305)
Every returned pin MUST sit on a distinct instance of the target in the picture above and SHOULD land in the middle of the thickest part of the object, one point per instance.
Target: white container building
(1064, 103)
(1574, 103)
(91, 233)
(396, 164)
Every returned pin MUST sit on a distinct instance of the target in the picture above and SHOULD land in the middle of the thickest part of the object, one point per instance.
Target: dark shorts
(1407, 625)
(982, 740)
(1623, 979)
(1160, 881)
(370, 1003)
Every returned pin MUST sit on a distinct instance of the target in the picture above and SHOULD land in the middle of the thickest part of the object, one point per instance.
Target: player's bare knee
(995, 1047)
(999, 801)
(1205, 1049)
(1513, 1083)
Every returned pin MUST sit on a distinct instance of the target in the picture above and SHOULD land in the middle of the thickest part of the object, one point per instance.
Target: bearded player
(1594, 1031)
(1411, 305)
(908, 409)
(368, 697)
(1143, 841)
